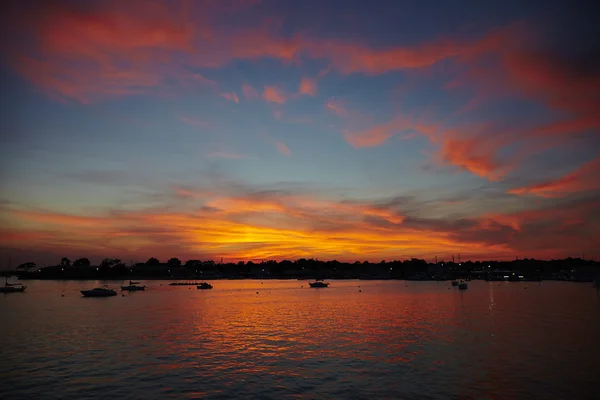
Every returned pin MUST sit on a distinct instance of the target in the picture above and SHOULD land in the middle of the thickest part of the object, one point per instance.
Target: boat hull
(12, 289)
(318, 284)
(133, 288)
(204, 287)
(95, 293)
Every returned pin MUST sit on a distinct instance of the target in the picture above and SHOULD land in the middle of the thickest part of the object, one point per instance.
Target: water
(354, 340)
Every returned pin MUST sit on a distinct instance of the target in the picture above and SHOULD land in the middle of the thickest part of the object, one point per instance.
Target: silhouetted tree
(153, 261)
(82, 262)
(65, 262)
(174, 262)
(192, 263)
(110, 262)
(27, 266)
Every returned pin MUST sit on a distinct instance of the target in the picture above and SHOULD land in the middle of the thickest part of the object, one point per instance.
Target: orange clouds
(308, 87)
(244, 223)
(586, 177)
(274, 94)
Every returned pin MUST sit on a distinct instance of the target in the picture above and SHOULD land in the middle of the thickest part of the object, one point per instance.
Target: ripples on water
(396, 340)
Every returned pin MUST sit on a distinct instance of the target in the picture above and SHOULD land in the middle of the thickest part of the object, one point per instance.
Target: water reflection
(389, 340)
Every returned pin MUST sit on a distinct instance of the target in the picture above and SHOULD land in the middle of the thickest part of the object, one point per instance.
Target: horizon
(274, 130)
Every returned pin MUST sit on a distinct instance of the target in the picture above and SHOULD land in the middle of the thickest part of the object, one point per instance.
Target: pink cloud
(195, 122)
(232, 156)
(230, 96)
(121, 48)
(586, 177)
(282, 148)
(249, 92)
(308, 87)
(337, 107)
(274, 94)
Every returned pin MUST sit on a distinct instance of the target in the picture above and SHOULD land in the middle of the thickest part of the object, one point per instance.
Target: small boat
(12, 287)
(454, 283)
(318, 284)
(99, 292)
(462, 285)
(204, 285)
(133, 286)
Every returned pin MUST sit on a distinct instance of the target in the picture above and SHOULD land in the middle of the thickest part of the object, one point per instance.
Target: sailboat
(12, 287)
(133, 286)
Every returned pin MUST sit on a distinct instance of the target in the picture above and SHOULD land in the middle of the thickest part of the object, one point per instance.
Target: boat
(133, 286)
(462, 285)
(12, 287)
(318, 284)
(184, 284)
(99, 292)
(454, 283)
(204, 285)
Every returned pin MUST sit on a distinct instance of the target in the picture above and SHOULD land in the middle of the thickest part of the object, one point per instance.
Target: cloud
(230, 96)
(379, 134)
(586, 177)
(249, 92)
(243, 222)
(195, 122)
(337, 107)
(116, 48)
(282, 148)
(308, 87)
(274, 94)
(232, 156)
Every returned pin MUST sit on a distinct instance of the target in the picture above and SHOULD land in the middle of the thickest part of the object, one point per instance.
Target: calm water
(384, 339)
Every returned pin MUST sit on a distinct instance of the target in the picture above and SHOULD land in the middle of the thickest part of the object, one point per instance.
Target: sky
(279, 129)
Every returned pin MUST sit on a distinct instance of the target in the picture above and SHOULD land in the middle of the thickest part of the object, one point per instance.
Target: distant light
(62, 269)
(39, 270)
(459, 264)
(390, 268)
(97, 269)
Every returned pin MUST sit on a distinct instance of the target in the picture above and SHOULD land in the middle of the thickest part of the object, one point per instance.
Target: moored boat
(462, 285)
(133, 286)
(99, 292)
(12, 287)
(454, 283)
(318, 284)
(204, 286)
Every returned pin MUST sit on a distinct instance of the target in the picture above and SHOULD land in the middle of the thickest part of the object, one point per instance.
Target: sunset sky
(348, 130)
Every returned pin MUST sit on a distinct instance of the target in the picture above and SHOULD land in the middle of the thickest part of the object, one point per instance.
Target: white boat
(12, 287)
(133, 286)
(318, 284)
(99, 292)
(204, 286)
(462, 285)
